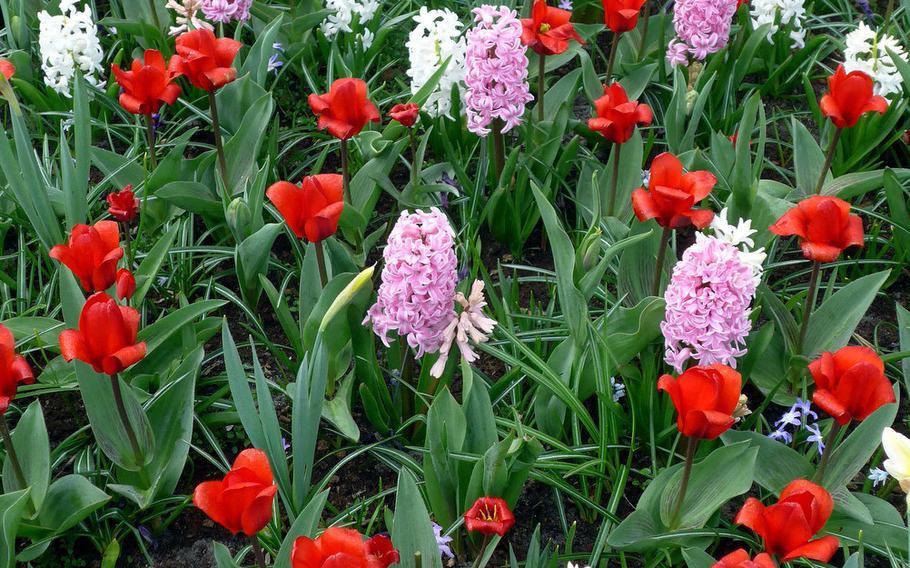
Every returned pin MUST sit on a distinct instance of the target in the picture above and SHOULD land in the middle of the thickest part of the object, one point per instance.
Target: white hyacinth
(471, 324)
(186, 17)
(872, 55)
(740, 236)
(69, 42)
(342, 16)
(790, 14)
(436, 38)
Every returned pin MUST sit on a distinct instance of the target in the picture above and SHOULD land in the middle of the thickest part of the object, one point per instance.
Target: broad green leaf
(252, 259)
(411, 528)
(854, 452)
(776, 464)
(33, 449)
(304, 525)
(832, 324)
(69, 500)
(12, 506)
(808, 159)
(223, 558)
(151, 264)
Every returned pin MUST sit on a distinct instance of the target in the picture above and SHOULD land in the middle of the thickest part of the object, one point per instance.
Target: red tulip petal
(820, 252)
(643, 205)
(257, 462)
(258, 512)
(123, 358)
(306, 553)
(822, 549)
(72, 346)
(207, 498)
(828, 401)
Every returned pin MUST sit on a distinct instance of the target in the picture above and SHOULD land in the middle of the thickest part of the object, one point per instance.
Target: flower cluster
(224, 11)
(470, 323)
(417, 292)
(497, 70)
(870, 52)
(342, 15)
(799, 416)
(434, 40)
(790, 14)
(187, 18)
(69, 42)
(702, 28)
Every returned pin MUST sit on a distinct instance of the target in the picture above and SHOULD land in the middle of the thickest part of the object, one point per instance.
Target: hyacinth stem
(829, 447)
(499, 149)
(150, 136)
(811, 292)
(257, 551)
(611, 208)
(345, 171)
(125, 419)
(483, 550)
(661, 254)
(219, 144)
(614, 47)
(407, 370)
(645, 17)
(691, 446)
(829, 157)
(11, 453)
(541, 85)
(320, 261)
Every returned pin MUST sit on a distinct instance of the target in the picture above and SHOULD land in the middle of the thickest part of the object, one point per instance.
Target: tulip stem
(219, 144)
(345, 171)
(613, 49)
(691, 446)
(257, 551)
(150, 135)
(412, 140)
(125, 419)
(11, 453)
(483, 550)
(320, 261)
(661, 254)
(418, 560)
(499, 150)
(811, 293)
(541, 85)
(829, 446)
(128, 241)
(645, 17)
(829, 157)
(611, 208)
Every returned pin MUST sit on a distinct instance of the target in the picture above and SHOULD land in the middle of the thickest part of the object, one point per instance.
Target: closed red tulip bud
(126, 284)
(406, 114)
(705, 398)
(824, 226)
(345, 109)
(207, 60)
(849, 97)
(242, 501)
(740, 559)
(149, 84)
(106, 337)
(787, 527)
(671, 194)
(489, 515)
(7, 68)
(311, 210)
(850, 384)
(343, 548)
(548, 30)
(617, 116)
(14, 371)
(92, 254)
(621, 15)
(123, 204)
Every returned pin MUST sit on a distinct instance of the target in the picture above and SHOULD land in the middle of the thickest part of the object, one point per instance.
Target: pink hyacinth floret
(496, 70)
(417, 294)
(224, 11)
(708, 305)
(702, 28)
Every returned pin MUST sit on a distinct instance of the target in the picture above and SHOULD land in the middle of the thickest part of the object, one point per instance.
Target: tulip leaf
(252, 259)
(223, 558)
(808, 159)
(33, 449)
(697, 558)
(887, 531)
(304, 525)
(191, 196)
(411, 528)
(69, 500)
(12, 506)
(855, 451)
(776, 465)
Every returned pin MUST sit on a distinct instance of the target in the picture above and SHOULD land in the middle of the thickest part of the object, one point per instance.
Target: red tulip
(92, 254)
(787, 527)
(343, 548)
(13, 369)
(671, 195)
(7, 68)
(850, 384)
(207, 60)
(740, 559)
(548, 30)
(705, 398)
(345, 109)
(146, 86)
(126, 284)
(124, 206)
(489, 515)
(824, 226)
(106, 338)
(849, 97)
(406, 114)
(617, 116)
(621, 15)
(313, 209)
(242, 501)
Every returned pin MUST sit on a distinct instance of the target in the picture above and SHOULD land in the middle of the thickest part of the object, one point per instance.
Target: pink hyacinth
(707, 314)
(702, 27)
(417, 294)
(496, 70)
(226, 10)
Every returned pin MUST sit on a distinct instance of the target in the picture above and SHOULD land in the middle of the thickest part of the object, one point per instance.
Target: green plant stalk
(611, 208)
(320, 261)
(415, 175)
(150, 137)
(257, 551)
(407, 371)
(644, 29)
(541, 85)
(11, 453)
(219, 144)
(661, 254)
(483, 549)
(418, 560)
(691, 446)
(125, 419)
(345, 172)
(829, 157)
(128, 241)
(499, 150)
(830, 439)
(614, 47)
(811, 293)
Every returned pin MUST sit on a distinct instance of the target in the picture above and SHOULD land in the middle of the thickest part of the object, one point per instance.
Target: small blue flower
(815, 437)
(878, 476)
(789, 418)
(443, 542)
(619, 389)
(805, 408)
(278, 47)
(781, 435)
(275, 63)
(565, 4)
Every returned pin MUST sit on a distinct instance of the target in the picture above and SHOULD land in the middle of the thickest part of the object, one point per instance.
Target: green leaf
(854, 452)
(158, 332)
(12, 506)
(257, 60)
(903, 328)
(411, 528)
(33, 449)
(252, 259)
(304, 525)
(337, 411)
(151, 264)
(45, 330)
(223, 558)
(697, 558)
(192, 196)
(808, 159)
(69, 500)
(242, 149)
(776, 465)
(832, 324)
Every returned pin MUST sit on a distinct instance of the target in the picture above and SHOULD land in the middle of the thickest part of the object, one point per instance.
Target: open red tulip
(489, 515)
(207, 60)
(345, 109)
(671, 195)
(123, 204)
(824, 226)
(311, 210)
(621, 15)
(849, 97)
(14, 371)
(787, 527)
(343, 548)
(406, 114)
(740, 559)
(705, 398)
(548, 30)
(7, 68)
(242, 501)
(850, 384)
(617, 116)
(149, 84)
(106, 338)
(92, 254)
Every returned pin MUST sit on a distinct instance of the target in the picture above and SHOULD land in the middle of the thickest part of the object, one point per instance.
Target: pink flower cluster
(417, 294)
(226, 10)
(707, 315)
(702, 27)
(496, 70)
